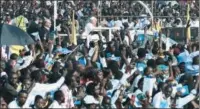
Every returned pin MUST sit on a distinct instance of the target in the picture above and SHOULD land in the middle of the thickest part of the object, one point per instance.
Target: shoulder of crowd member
(10, 89)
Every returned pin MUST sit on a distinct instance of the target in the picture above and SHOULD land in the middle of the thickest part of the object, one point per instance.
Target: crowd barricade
(179, 33)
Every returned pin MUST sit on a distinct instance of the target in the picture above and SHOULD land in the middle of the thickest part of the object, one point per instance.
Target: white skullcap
(93, 18)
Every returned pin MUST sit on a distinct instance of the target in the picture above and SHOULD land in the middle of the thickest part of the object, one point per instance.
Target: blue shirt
(141, 66)
(111, 23)
(192, 69)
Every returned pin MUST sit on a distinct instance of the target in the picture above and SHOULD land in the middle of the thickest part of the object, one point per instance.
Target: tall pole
(152, 2)
(1, 15)
(55, 14)
(199, 43)
(100, 6)
(99, 12)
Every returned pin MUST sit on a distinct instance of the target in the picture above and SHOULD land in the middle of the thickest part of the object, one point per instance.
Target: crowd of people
(129, 71)
(170, 13)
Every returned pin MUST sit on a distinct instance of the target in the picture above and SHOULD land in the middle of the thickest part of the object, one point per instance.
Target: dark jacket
(44, 33)
(8, 92)
(33, 27)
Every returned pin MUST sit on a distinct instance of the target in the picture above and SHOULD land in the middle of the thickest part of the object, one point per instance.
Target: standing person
(20, 21)
(8, 19)
(88, 28)
(33, 30)
(91, 100)
(110, 22)
(118, 22)
(67, 90)
(58, 100)
(42, 89)
(9, 89)
(34, 26)
(44, 31)
(14, 81)
(45, 34)
(162, 99)
(20, 101)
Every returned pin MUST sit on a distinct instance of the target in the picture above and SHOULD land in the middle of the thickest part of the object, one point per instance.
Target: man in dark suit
(45, 35)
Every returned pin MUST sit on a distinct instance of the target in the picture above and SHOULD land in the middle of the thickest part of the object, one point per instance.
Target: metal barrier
(179, 34)
(123, 16)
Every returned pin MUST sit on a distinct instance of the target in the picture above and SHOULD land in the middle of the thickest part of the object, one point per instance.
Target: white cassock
(88, 28)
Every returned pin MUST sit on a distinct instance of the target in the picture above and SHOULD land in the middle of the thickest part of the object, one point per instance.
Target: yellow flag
(188, 18)
(73, 39)
(157, 26)
(15, 49)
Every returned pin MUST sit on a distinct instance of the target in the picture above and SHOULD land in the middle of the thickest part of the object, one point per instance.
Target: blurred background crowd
(169, 12)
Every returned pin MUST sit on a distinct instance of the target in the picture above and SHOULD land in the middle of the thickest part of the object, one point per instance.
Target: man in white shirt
(143, 22)
(131, 23)
(118, 23)
(162, 99)
(25, 61)
(194, 21)
(58, 100)
(89, 27)
(42, 89)
(20, 101)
